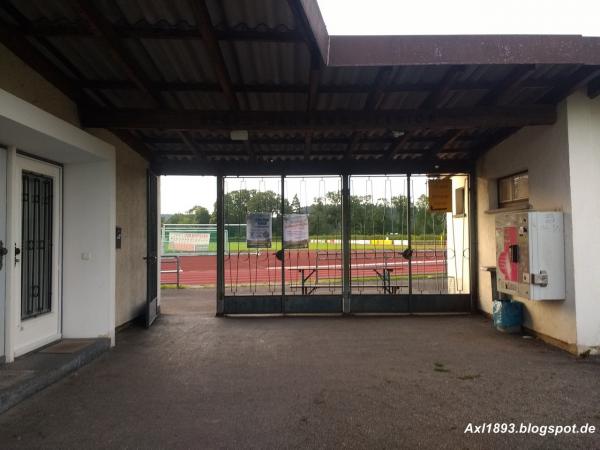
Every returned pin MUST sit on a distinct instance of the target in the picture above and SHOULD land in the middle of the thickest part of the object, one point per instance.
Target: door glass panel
(252, 264)
(313, 209)
(379, 235)
(440, 240)
(36, 246)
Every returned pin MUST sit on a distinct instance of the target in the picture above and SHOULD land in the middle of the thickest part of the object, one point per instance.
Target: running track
(265, 268)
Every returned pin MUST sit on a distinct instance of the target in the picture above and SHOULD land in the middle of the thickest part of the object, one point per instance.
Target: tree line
(370, 217)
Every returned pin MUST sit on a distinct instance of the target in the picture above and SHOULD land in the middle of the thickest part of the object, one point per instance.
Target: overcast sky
(179, 194)
(462, 16)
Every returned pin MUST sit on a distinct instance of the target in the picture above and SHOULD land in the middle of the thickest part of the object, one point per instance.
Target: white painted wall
(3, 218)
(89, 227)
(584, 168)
(89, 192)
(544, 152)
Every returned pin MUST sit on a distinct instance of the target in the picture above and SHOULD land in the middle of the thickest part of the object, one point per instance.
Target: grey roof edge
(387, 50)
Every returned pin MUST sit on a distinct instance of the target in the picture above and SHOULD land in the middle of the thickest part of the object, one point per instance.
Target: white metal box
(530, 255)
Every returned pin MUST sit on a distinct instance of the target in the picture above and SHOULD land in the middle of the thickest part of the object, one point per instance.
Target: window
(459, 202)
(513, 189)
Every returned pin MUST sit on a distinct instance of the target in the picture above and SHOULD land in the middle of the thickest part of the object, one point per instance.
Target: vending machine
(530, 255)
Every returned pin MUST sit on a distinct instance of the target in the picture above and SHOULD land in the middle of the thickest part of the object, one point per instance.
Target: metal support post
(282, 245)
(220, 245)
(472, 223)
(346, 224)
(409, 237)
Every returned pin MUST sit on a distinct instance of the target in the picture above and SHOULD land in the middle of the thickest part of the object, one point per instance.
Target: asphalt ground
(197, 381)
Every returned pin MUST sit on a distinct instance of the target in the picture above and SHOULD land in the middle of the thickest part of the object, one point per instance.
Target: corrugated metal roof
(266, 65)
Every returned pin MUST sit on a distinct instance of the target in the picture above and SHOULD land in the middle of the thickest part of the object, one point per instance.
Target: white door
(37, 197)
(3, 245)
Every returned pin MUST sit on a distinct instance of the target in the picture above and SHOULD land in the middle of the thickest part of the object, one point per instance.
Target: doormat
(67, 346)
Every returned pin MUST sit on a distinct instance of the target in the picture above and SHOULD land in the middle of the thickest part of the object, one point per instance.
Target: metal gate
(152, 249)
(36, 248)
(373, 245)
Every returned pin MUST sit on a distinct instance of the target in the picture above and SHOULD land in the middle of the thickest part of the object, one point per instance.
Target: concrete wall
(20, 80)
(544, 153)
(131, 217)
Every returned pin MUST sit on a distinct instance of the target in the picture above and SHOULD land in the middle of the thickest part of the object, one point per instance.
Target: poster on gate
(295, 231)
(259, 231)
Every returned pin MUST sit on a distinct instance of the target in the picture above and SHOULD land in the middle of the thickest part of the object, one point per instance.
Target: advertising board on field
(189, 242)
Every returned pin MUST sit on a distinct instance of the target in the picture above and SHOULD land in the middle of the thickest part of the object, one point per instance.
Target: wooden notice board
(440, 195)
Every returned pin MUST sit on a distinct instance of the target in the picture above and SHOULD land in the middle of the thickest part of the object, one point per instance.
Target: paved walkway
(196, 381)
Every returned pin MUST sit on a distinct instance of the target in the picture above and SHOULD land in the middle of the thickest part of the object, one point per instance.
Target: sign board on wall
(259, 231)
(295, 230)
(440, 195)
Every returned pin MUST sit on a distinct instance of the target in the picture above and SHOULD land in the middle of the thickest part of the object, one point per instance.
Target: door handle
(3, 253)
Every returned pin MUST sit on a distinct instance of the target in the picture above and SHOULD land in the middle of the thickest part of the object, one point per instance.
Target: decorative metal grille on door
(36, 245)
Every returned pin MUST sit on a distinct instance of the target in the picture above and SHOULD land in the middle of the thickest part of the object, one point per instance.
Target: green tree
(181, 218)
(200, 214)
(295, 205)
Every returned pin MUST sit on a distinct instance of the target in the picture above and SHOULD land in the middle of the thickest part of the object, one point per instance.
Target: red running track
(265, 268)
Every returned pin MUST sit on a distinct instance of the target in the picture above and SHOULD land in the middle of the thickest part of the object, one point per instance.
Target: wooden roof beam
(299, 141)
(314, 76)
(490, 142)
(21, 47)
(511, 82)
(593, 89)
(354, 144)
(303, 88)
(433, 153)
(372, 103)
(204, 23)
(102, 28)
(361, 121)
(135, 144)
(379, 89)
(437, 95)
(397, 147)
(134, 32)
(308, 139)
(580, 78)
(190, 144)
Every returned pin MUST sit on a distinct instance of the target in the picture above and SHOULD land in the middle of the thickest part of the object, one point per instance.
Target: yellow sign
(440, 195)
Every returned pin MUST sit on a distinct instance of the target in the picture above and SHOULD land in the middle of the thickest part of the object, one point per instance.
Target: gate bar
(346, 217)
(409, 237)
(282, 245)
(220, 245)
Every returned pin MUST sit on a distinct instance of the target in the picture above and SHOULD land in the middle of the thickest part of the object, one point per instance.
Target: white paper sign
(258, 230)
(295, 230)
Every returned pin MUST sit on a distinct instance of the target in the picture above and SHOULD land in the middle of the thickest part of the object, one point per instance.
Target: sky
(384, 17)
(180, 194)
